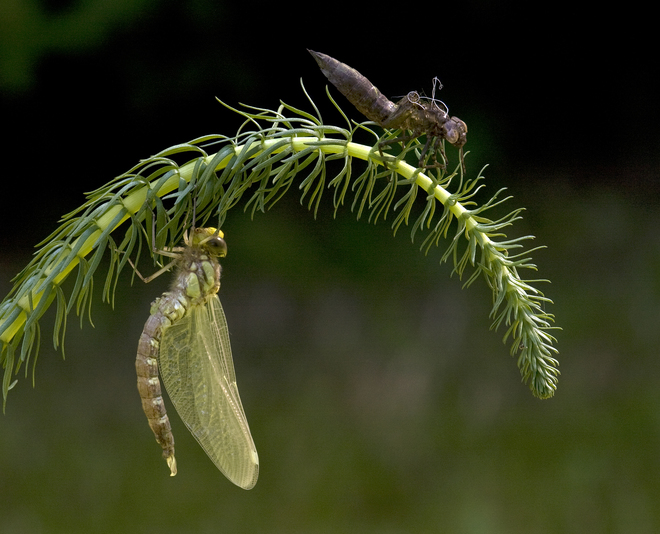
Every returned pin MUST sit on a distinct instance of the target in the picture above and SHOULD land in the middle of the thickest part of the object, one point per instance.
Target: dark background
(377, 397)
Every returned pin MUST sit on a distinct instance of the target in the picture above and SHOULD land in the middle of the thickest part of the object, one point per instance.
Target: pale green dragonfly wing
(198, 372)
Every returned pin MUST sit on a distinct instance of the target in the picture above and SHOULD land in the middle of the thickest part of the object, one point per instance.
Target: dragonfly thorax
(198, 276)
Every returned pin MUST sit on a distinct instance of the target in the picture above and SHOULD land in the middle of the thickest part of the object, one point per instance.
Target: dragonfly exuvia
(419, 115)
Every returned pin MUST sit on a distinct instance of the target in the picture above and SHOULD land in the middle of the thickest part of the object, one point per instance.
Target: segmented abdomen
(360, 92)
(146, 365)
(197, 280)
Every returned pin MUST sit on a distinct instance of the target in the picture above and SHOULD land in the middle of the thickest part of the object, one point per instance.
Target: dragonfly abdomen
(146, 365)
(360, 92)
(197, 280)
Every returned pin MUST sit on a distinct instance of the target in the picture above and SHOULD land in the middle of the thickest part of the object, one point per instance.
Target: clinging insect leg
(401, 139)
(174, 253)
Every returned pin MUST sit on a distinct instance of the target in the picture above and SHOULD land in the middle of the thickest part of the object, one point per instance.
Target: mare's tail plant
(272, 151)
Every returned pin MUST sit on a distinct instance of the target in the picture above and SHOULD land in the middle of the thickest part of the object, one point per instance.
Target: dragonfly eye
(216, 246)
(451, 133)
(455, 131)
(462, 129)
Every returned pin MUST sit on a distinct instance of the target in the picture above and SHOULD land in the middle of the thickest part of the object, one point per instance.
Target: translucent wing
(198, 372)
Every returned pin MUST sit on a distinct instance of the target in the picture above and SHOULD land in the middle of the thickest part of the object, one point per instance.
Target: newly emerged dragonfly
(187, 338)
(415, 113)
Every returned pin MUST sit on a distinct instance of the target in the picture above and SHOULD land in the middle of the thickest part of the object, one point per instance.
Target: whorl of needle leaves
(271, 151)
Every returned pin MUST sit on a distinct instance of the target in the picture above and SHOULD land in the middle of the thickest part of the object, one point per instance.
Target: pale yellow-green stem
(134, 201)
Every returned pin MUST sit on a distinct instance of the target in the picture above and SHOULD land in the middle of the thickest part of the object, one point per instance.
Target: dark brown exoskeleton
(414, 113)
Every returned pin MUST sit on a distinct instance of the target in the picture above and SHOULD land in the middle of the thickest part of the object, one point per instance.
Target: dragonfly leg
(147, 279)
(173, 253)
(401, 139)
(431, 143)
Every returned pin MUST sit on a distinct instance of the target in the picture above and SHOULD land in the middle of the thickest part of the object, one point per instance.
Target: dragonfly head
(211, 240)
(455, 131)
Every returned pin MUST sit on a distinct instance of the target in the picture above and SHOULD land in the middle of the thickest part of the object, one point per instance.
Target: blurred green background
(377, 397)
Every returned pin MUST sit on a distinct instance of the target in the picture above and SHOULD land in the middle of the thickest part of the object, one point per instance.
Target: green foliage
(271, 151)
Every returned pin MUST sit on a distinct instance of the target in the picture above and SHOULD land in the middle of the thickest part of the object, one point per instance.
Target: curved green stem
(271, 158)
